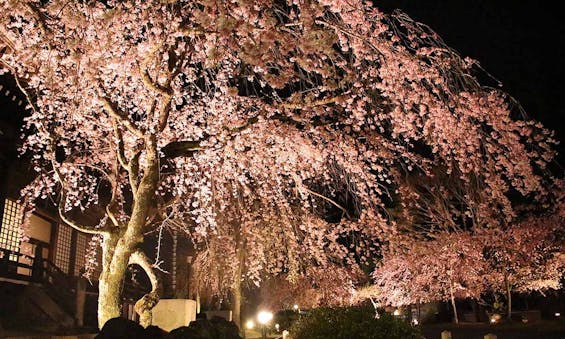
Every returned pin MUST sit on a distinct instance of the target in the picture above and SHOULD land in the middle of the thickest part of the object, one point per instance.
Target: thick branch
(73, 224)
(134, 172)
(144, 72)
(120, 140)
(115, 112)
(144, 305)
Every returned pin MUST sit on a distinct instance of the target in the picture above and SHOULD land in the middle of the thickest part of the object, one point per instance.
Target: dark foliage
(351, 322)
(216, 328)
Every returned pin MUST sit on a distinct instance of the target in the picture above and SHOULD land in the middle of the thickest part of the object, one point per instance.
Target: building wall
(61, 244)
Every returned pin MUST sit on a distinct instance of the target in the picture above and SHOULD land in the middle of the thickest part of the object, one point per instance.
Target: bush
(216, 328)
(350, 322)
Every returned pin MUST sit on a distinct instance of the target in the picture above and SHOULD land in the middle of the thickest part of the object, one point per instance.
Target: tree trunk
(115, 262)
(109, 291)
(453, 303)
(119, 245)
(509, 298)
(236, 289)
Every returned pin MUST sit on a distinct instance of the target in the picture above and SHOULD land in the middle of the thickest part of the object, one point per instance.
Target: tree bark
(111, 282)
(236, 289)
(453, 303)
(120, 243)
(237, 297)
(509, 298)
(144, 306)
(108, 285)
(109, 292)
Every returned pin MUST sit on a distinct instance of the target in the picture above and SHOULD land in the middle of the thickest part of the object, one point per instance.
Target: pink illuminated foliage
(528, 256)
(242, 122)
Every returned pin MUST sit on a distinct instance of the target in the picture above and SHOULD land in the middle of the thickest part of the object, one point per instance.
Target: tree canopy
(263, 115)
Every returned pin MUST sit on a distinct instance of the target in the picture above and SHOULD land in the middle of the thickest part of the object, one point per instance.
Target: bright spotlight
(264, 317)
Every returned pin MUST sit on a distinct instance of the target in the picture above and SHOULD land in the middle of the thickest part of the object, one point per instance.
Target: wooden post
(445, 335)
(80, 300)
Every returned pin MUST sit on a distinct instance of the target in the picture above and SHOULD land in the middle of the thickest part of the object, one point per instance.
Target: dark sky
(521, 43)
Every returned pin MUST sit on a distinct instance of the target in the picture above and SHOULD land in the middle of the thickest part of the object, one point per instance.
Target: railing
(12, 266)
(59, 286)
(20, 267)
(23, 268)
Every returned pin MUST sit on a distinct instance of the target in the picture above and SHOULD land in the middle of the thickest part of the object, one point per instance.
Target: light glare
(264, 317)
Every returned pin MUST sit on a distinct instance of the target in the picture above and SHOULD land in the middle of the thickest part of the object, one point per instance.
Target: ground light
(296, 309)
(249, 325)
(264, 317)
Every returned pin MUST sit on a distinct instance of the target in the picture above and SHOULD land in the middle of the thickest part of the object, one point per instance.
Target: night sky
(521, 43)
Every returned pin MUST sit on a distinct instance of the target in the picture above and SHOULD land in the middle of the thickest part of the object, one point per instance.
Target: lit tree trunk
(236, 288)
(109, 293)
(237, 296)
(144, 305)
(509, 297)
(122, 242)
(453, 302)
(111, 281)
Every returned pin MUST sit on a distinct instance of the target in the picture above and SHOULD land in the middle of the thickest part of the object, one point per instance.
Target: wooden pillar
(80, 301)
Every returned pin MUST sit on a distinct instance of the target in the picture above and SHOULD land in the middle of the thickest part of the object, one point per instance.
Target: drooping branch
(67, 220)
(321, 196)
(144, 305)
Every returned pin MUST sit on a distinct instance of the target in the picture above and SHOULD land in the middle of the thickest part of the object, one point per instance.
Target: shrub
(350, 322)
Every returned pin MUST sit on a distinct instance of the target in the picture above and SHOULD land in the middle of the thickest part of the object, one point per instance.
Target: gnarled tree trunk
(120, 247)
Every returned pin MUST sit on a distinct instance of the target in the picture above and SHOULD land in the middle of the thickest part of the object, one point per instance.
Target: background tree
(152, 109)
(527, 256)
(448, 267)
(253, 242)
